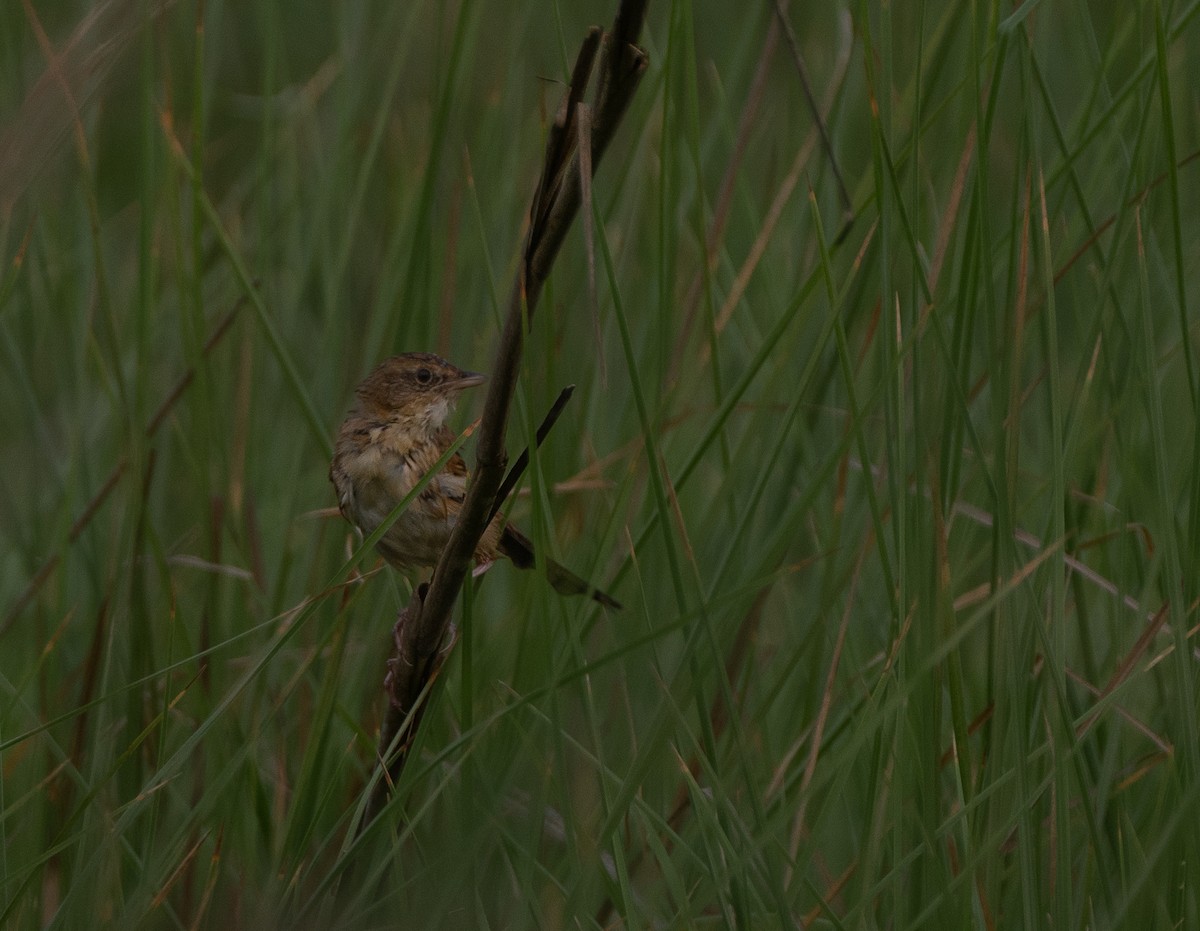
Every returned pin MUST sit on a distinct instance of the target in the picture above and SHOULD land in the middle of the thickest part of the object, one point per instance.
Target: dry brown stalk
(422, 629)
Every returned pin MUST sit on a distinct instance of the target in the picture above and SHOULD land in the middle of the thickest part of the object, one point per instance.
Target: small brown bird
(392, 437)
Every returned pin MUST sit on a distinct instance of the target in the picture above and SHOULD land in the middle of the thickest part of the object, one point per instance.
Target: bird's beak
(466, 380)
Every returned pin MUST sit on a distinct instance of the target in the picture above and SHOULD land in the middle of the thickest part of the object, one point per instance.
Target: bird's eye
(424, 376)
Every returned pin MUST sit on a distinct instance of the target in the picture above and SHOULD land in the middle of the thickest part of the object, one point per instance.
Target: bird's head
(417, 387)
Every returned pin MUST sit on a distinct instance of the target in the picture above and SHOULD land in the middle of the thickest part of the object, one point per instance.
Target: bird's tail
(519, 548)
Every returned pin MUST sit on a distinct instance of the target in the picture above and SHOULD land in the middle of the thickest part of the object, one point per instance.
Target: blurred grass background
(906, 523)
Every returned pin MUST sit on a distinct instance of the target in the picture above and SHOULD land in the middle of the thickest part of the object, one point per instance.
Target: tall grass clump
(902, 500)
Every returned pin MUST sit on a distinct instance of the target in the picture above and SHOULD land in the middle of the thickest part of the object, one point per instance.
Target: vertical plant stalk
(815, 109)
(422, 627)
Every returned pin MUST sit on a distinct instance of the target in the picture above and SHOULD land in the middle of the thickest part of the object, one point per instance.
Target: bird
(392, 437)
